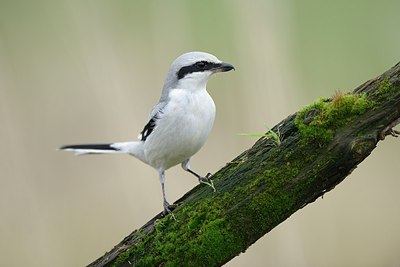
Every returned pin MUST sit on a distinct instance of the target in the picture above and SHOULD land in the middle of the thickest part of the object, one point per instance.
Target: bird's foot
(168, 210)
(206, 180)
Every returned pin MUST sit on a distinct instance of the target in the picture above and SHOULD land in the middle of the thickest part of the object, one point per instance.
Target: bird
(178, 125)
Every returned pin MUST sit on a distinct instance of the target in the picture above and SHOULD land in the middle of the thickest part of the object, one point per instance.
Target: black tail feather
(90, 146)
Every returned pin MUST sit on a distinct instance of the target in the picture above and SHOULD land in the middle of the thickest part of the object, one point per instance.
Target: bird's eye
(201, 64)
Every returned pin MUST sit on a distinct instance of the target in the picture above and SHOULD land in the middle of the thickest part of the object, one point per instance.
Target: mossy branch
(319, 146)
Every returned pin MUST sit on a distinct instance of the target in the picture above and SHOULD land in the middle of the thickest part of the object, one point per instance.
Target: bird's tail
(135, 149)
(91, 149)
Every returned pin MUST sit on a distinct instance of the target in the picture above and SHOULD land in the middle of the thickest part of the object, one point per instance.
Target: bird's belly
(181, 131)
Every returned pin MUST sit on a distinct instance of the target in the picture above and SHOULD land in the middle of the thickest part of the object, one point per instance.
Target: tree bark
(317, 148)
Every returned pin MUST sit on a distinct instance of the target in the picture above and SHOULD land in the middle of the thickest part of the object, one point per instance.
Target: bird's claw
(206, 180)
(168, 210)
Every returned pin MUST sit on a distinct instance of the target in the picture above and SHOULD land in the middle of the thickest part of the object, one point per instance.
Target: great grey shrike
(178, 125)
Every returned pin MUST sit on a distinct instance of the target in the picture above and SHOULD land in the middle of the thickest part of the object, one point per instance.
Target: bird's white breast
(182, 129)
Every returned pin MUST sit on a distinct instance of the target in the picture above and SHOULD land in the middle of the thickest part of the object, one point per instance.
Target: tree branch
(317, 148)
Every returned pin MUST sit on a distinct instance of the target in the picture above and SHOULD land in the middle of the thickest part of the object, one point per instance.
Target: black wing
(155, 115)
(149, 127)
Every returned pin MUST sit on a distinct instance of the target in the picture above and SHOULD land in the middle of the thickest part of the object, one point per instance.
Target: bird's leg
(186, 167)
(165, 202)
(202, 179)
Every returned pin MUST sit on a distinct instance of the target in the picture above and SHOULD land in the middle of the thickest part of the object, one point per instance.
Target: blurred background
(90, 71)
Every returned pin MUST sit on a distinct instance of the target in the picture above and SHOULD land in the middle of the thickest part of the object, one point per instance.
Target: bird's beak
(223, 67)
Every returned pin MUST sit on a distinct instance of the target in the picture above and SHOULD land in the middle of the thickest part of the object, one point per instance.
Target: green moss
(385, 90)
(123, 257)
(269, 196)
(319, 121)
(201, 236)
(214, 244)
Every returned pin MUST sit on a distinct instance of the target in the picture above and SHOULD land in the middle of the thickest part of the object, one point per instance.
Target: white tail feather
(79, 152)
(135, 149)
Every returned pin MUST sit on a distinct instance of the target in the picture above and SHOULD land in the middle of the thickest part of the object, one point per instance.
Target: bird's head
(192, 70)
